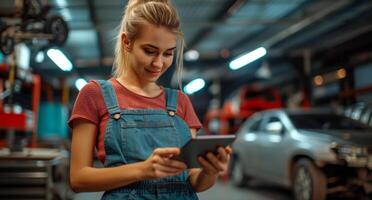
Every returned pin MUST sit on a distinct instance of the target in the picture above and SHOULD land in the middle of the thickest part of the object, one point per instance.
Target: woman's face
(151, 53)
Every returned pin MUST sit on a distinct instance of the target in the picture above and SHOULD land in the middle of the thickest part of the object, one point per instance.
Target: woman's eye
(168, 54)
(150, 52)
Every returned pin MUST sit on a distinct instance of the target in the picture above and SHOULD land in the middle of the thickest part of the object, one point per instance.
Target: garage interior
(312, 54)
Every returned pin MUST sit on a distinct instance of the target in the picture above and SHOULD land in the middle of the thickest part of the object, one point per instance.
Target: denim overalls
(132, 135)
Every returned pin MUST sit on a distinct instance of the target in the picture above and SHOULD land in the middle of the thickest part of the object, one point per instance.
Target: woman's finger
(175, 164)
(228, 150)
(214, 161)
(208, 167)
(167, 152)
(222, 155)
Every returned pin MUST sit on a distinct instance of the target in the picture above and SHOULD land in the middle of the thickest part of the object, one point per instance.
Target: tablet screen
(201, 145)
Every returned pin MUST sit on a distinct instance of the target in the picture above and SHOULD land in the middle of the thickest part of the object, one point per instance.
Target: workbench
(34, 173)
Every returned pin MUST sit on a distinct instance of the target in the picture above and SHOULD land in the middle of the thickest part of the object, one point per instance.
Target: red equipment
(239, 106)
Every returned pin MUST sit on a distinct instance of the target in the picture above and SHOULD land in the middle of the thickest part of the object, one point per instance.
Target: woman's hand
(160, 164)
(213, 164)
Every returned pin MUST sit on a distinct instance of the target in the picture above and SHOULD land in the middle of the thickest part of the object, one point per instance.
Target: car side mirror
(275, 127)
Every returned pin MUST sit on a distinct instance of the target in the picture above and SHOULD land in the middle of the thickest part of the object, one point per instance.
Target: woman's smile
(153, 72)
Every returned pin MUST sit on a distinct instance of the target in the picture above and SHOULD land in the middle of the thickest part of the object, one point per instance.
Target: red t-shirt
(90, 105)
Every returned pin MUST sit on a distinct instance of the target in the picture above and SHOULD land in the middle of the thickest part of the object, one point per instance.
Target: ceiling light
(191, 55)
(341, 73)
(194, 86)
(60, 59)
(23, 56)
(80, 83)
(318, 80)
(39, 57)
(247, 58)
(61, 3)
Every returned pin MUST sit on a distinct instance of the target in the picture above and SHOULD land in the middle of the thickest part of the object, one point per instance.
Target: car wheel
(238, 176)
(309, 182)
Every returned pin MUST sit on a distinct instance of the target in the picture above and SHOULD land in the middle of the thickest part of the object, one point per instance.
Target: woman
(136, 125)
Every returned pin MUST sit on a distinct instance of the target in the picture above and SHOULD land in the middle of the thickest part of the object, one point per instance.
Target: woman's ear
(125, 41)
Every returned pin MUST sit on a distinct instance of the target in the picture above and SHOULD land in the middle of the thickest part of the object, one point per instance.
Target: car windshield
(326, 121)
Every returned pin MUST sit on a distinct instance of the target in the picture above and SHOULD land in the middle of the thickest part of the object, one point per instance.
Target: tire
(238, 177)
(57, 27)
(309, 182)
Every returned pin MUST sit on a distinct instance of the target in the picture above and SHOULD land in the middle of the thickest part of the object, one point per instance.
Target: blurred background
(307, 61)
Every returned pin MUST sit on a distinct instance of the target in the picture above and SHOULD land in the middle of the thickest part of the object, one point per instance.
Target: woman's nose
(157, 62)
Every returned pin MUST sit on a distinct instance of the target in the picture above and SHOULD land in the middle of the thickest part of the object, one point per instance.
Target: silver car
(316, 153)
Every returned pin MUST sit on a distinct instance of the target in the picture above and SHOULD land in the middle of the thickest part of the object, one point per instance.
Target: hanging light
(247, 58)
(60, 59)
(80, 83)
(194, 86)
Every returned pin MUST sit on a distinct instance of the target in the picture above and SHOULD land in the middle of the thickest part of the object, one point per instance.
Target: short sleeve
(187, 111)
(85, 106)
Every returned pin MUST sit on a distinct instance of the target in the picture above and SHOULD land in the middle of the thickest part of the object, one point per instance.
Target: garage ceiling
(219, 29)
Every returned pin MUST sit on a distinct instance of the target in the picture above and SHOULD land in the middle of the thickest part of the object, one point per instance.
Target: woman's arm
(203, 178)
(84, 177)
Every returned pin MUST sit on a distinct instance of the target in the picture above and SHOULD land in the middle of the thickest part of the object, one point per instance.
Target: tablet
(200, 146)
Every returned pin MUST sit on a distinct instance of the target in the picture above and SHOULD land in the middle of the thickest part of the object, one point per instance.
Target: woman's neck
(148, 89)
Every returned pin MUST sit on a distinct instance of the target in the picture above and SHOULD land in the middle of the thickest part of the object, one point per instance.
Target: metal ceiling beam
(326, 26)
(291, 30)
(227, 10)
(266, 32)
(305, 23)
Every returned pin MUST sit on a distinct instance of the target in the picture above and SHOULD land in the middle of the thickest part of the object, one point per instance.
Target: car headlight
(353, 151)
(348, 150)
(351, 154)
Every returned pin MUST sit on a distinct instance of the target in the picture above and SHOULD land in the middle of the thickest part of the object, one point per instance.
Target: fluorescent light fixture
(191, 55)
(60, 59)
(61, 3)
(23, 56)
(194, 86)
(39, 57)
(247, 58)
(80, 83)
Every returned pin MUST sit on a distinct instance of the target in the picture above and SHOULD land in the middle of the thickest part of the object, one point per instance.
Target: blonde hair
(139, 12)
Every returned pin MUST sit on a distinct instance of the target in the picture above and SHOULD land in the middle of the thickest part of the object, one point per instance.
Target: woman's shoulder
(183, 99)
(91, 96)
(91, 87)
(181, 94)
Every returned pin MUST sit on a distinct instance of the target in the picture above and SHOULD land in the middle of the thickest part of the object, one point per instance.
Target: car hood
(363, 138)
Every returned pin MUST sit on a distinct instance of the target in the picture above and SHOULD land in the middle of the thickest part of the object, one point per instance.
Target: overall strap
(110, 98)
(171, 100)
